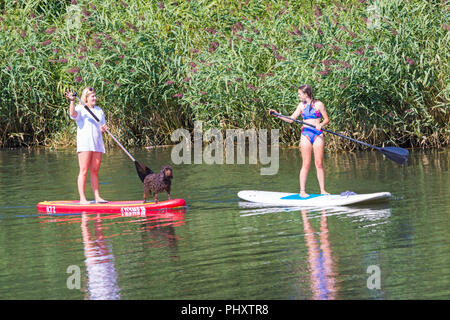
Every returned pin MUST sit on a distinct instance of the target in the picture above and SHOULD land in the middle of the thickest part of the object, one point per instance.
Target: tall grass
(380, 67)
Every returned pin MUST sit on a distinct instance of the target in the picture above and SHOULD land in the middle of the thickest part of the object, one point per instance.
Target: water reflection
(101, 271)
(159, 230)
(321, 261)
(102, 276)
(320, 258)
(373, 213)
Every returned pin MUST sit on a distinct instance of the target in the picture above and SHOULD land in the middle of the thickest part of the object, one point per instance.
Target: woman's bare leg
(306, 149)
(94, 168)
(319, 147)
(84, 161)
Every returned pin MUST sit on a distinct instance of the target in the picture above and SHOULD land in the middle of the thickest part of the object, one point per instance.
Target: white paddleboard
(314, 200)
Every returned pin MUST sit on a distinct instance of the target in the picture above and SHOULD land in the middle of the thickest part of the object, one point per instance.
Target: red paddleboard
(126, 208)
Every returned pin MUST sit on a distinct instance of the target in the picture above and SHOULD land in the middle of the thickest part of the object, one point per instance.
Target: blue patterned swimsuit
(310, 113)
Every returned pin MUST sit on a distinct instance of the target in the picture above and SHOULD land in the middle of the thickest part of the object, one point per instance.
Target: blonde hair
(86, 93)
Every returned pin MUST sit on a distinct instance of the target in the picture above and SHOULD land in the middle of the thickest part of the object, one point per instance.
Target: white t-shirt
(89, 133)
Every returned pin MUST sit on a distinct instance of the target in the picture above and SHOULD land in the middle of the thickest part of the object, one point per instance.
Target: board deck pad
(124, 207)
(296, 196)
(314, 200)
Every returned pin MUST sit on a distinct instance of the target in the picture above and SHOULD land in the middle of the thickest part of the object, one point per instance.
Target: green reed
(380, 67)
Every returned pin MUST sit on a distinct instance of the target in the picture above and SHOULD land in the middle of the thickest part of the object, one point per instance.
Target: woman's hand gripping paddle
(141, 169)
(395, 154)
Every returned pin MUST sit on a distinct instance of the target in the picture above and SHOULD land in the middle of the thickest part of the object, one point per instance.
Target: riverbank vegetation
(381, 67)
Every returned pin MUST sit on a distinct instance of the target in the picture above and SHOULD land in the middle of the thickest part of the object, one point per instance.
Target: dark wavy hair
(307, 90)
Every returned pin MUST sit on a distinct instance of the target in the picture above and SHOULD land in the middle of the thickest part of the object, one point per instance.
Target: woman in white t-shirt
(90, 146)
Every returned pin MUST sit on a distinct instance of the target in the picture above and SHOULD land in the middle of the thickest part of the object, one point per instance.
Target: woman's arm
(321, 107)
(72, 112)
(297, 112)
(295, 115)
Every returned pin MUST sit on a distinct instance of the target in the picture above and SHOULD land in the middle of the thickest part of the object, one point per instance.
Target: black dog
(158, 182)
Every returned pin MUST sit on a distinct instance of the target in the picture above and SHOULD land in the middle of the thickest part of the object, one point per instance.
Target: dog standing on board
(158, 182)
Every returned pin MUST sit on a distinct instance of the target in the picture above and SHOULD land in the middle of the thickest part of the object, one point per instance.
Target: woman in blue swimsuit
(312, 111)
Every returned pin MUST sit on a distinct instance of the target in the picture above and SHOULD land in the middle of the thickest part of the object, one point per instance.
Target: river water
(219, 247)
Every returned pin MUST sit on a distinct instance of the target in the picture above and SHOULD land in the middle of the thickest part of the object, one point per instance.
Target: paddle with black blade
(141, 169)
(398, 155)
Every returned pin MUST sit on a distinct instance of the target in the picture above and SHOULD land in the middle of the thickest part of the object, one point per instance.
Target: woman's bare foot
(303, 194)
(324, 192)
(100, 200)
(85, 202)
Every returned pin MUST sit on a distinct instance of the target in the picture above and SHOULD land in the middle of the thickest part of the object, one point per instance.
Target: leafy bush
(381, 67)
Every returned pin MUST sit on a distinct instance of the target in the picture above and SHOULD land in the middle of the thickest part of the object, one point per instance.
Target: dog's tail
(142, 170)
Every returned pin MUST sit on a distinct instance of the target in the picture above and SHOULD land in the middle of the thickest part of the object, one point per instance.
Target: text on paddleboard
(132, 211)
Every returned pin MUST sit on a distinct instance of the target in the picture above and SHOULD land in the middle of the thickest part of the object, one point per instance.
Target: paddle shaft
(337, 134)
(112, 136)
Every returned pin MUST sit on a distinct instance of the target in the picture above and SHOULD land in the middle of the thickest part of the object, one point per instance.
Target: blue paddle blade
(398, 155)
